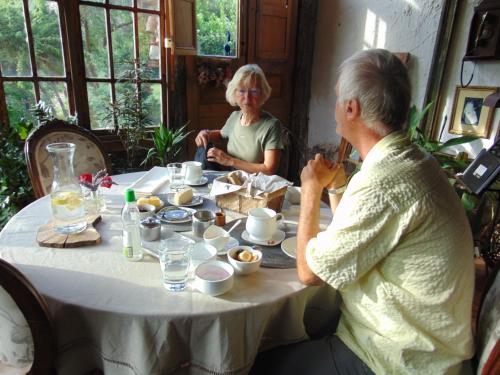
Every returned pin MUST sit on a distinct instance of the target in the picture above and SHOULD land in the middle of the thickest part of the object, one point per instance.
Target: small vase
(94, 201)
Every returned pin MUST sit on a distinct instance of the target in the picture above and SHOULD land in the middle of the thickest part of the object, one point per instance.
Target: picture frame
(469, 116)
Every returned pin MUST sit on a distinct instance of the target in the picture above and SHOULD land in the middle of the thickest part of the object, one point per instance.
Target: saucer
(196, 201)
(203, 180)
(176, 215)
(276, 239)
(289, 247)
(230, 244)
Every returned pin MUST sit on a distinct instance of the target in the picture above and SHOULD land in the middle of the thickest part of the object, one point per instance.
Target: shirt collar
(384, 146)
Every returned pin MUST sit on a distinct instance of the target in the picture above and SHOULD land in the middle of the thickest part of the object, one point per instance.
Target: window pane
(55, 95)
(122, 34)
(95, 45)
(149, 42)
(217, 23)
(99, 98)
(127, 3)
(95, 1)
(47, 38)
(20, 97)
(149, 4)
(14, 52)
(152, 101)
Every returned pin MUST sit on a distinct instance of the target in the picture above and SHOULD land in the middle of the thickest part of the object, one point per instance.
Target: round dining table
(113, 315)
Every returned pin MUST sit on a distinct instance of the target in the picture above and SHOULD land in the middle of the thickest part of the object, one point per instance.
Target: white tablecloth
(115, 315)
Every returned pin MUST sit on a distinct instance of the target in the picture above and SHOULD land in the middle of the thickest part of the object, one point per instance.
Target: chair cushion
(489, 324)
(88, 158)
(16, 344)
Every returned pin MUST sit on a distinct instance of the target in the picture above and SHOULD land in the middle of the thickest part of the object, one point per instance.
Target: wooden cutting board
(47, 237)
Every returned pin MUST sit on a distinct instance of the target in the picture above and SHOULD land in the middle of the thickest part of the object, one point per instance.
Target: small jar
(150, 228)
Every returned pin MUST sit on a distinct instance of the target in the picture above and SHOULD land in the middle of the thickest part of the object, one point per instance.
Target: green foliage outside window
(217, 22)
(15, 62)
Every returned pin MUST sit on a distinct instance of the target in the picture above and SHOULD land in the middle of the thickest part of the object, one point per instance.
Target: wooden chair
(90, 155)
(26, 305)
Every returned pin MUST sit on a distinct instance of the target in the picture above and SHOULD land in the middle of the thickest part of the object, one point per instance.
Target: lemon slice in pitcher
(70, 199)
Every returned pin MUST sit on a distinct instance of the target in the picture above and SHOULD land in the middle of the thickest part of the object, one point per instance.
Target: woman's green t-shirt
(249, 142)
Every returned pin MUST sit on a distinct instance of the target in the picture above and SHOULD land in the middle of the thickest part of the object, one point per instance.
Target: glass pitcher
(66, 196)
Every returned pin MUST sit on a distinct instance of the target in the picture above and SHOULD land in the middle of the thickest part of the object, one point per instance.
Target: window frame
(34, 78)
(75, 77)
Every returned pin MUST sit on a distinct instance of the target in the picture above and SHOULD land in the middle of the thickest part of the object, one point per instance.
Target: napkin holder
(240, 199)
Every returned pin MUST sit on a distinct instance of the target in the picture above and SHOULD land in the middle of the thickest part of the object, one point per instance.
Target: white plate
(196, 201)
(176, 215)
(230, 244)
(203, 181)
(289, 247)
(276, 239)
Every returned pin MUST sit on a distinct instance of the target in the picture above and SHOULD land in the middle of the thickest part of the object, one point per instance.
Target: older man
(399, 248)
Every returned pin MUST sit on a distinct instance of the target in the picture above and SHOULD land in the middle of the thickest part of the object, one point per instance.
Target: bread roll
(234, 179)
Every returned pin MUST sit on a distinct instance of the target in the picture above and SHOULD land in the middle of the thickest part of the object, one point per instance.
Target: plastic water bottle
(132, 249)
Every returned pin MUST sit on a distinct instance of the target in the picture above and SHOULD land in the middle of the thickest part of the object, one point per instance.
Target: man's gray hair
(380, 82)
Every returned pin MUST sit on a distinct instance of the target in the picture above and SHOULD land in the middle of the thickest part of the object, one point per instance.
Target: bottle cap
(129, 195)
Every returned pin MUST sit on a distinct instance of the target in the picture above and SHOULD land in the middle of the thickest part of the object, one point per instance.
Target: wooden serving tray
(47, 237)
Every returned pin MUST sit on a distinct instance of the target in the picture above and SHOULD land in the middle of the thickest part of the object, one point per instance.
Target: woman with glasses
(255, 137)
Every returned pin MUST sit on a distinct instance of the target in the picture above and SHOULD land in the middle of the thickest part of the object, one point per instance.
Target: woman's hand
(203, 138)
(219, 156)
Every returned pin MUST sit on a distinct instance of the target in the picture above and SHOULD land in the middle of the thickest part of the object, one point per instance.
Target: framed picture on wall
(469, 116)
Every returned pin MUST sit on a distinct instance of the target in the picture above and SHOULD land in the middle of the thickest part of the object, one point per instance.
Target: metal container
(201, 221)
(150, 228)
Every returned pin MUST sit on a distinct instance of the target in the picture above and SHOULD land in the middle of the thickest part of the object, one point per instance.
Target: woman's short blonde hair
(244, 76)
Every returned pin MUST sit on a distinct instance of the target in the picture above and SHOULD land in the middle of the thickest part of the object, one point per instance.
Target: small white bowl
(202, 252)
(213, 277)
(146, 210)
(244, 268)
(216, 236)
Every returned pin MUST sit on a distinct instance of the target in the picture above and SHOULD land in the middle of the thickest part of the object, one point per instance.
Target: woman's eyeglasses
(252, 92)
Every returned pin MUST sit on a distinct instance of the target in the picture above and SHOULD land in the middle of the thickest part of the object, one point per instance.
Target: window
(33, 64)
(121, 39)
(108, 38)
(217, 25)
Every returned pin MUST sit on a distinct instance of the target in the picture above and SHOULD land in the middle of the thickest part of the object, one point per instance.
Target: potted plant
(130, 111)
(167, 145)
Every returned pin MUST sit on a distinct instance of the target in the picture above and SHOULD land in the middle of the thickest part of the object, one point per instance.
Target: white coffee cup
(193, 171)
(262, 223)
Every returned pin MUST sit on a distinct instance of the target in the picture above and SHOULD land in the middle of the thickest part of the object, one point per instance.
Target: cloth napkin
(151, 182)
(254, 184)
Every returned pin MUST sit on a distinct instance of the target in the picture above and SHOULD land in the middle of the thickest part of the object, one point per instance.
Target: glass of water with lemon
(66, 196)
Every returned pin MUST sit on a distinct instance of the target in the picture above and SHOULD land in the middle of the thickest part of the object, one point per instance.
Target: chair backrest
(285, 153)
(488, 330)
(27, 338)
(90, 155)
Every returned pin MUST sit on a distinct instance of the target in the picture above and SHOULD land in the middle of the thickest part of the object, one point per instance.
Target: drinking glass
(176, 174)
(174, 261)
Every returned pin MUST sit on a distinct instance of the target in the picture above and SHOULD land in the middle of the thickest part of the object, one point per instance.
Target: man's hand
(202, 138)
(219, 156)
(340, 178)
(318, 173)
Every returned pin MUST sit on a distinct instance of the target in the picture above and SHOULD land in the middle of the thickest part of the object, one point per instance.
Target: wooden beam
(299, 119)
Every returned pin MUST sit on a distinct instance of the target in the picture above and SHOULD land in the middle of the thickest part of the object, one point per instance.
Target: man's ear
(353, 109)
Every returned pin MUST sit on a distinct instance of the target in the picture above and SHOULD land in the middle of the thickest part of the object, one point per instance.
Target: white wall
(487, 73)
(347, 26)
